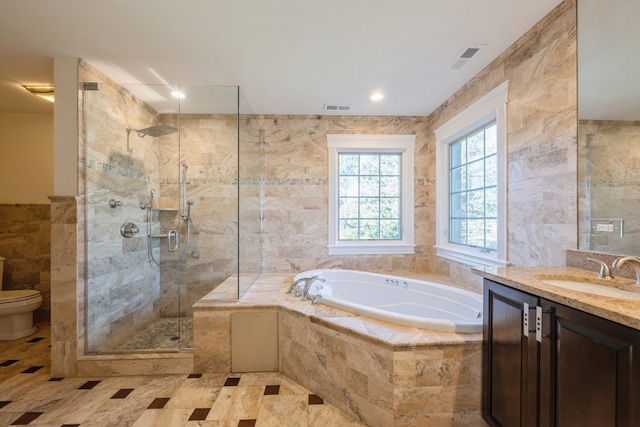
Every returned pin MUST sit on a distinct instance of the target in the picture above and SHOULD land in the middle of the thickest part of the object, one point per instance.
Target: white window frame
(492, 106)
(400, 144)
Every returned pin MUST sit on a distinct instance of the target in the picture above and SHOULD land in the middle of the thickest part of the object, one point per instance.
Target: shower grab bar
(172, 235)
(160, 236)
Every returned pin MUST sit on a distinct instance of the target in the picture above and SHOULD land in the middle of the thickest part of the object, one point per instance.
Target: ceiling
(287, 56)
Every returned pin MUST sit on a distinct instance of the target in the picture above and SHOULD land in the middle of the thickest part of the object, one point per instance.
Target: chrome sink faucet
(634, 261)
(605, 271)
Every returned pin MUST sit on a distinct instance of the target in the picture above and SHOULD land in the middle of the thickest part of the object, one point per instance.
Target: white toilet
(16, 311)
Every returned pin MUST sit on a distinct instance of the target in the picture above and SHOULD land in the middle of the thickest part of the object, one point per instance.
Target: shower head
(157, 130)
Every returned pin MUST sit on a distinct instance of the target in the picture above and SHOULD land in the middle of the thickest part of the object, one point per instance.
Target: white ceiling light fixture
(376, 96)
(41, 91)
(178, 94)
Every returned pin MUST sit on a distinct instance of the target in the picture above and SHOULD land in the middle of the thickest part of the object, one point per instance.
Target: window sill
(470, 259)
(364, 249)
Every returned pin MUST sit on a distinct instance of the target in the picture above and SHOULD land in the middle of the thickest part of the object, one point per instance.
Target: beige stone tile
(192, 396)
(237, 403)
(163, 417)
(75, 407)
(289, 409)
(327, 415)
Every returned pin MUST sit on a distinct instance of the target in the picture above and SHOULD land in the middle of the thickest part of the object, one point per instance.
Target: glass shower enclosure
(171, 185)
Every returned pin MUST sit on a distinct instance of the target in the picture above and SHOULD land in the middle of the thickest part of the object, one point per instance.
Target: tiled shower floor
(30, 396)
(167, 333)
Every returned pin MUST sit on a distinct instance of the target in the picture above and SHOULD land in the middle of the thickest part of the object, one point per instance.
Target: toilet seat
(17, 296)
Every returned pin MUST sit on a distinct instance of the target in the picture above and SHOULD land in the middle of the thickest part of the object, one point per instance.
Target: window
(473, 187)
(371, 194)
(471, 183)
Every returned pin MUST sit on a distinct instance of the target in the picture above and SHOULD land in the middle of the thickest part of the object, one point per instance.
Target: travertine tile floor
(30, 396)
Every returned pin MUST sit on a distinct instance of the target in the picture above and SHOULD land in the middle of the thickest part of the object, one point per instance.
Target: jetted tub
(404, 301)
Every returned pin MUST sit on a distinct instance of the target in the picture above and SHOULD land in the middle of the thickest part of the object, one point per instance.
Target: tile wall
(25, 242)
(295, 192)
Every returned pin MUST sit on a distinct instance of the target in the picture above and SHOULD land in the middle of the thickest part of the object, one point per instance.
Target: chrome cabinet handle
(525, 320)
(539, 324)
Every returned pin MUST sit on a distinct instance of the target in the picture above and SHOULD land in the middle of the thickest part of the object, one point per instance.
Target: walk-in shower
(166, 184)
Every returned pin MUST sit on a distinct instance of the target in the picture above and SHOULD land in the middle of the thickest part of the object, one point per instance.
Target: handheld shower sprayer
(186, 203)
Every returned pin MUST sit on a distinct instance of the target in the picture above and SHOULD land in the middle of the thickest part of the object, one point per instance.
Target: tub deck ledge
(269, 293)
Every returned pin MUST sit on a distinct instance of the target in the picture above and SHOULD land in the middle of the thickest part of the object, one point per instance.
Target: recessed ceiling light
(178, 94)
(41, 91)
(377, 96)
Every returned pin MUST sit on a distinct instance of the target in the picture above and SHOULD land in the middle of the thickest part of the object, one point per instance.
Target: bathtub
(404, 301)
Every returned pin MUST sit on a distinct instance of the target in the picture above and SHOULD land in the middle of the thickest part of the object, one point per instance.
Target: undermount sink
(594, 289)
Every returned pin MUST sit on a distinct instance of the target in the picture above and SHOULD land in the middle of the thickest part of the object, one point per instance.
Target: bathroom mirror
(609, 126)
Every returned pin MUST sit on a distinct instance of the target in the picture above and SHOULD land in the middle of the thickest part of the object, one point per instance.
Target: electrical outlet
(605, 227)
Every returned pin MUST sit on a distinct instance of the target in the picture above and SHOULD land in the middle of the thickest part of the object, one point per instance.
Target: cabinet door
(588, 369)
(509, 395)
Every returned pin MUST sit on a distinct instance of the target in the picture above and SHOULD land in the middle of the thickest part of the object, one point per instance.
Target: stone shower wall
(250, 202)
(209, 147)
(25, 242)
(611, 158)
(122, 285)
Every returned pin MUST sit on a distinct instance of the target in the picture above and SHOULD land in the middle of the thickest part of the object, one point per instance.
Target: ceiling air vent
(464, 56)
(336, 107)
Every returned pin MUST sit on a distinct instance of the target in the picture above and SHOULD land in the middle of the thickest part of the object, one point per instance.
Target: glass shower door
(121, 144)
(160, 177)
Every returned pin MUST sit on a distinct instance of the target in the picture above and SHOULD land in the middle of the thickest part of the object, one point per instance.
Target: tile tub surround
(380, 373)
(625, 312)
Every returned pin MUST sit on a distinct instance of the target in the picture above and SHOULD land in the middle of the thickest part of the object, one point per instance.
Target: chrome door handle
(172, 240)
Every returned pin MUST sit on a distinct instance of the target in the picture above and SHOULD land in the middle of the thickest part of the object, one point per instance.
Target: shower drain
(174, 338)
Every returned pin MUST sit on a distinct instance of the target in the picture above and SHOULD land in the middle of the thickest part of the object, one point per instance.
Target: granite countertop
(529, 279)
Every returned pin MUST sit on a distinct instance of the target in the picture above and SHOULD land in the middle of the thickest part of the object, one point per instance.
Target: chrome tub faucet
(305, 292)
(295, 284)
(308, 281)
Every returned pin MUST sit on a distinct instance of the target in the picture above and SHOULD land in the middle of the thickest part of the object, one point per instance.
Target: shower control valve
(128, 230)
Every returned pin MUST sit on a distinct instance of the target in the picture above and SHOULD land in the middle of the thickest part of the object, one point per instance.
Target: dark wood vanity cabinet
(546, 364)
